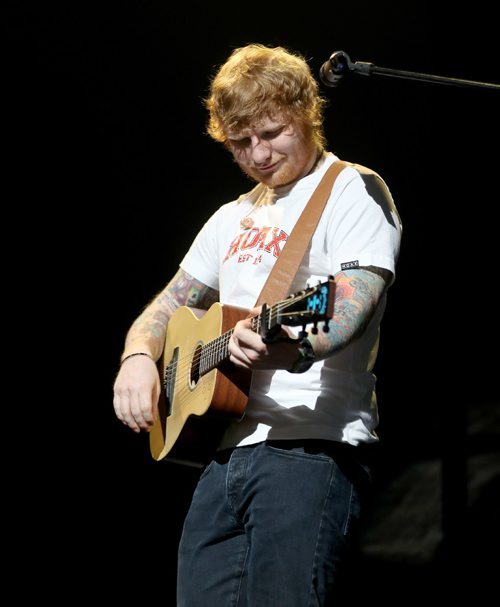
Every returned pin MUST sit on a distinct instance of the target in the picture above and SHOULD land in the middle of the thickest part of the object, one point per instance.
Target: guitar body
(195, 408)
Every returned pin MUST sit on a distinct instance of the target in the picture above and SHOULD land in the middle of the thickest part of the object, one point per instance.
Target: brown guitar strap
(278, 283)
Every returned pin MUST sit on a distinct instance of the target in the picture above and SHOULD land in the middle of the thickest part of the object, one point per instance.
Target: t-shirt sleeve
(202, 259)
(365, 228)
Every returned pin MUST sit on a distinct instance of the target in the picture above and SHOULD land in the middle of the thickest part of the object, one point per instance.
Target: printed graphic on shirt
(266, 239)
(348, 265)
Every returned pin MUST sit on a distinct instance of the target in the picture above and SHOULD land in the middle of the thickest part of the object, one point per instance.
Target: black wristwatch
(305, 359)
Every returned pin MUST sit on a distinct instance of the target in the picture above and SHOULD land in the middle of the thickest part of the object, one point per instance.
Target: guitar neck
(213, 353)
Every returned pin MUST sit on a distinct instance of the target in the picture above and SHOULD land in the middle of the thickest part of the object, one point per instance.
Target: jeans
(269, 525)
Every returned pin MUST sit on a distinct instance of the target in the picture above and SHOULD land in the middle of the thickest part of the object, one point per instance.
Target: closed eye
(263, 136)
(267, 135)
(240, 143)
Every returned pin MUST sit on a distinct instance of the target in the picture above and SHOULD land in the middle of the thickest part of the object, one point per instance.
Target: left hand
(247, 349)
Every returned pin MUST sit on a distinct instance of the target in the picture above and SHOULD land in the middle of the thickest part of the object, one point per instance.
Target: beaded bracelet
(134, 354)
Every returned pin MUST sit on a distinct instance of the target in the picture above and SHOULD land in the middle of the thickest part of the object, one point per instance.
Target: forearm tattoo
(357, 293)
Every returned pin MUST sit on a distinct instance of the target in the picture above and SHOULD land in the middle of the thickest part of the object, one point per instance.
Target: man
(274, 510)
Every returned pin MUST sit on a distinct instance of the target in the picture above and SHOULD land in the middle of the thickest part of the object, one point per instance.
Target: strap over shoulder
(278, 283)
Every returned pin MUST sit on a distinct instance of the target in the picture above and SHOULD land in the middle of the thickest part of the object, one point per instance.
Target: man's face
(275, 152)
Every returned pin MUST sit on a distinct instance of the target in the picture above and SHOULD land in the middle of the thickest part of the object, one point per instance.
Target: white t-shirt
(335, 399)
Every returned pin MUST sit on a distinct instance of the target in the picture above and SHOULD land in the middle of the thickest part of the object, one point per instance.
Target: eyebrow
(264, 130)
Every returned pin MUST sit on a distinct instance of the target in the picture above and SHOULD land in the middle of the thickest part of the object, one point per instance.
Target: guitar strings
(209, 355)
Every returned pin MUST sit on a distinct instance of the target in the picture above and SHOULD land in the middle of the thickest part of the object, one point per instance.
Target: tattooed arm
(357, 293)
(147, 333)
(137, 385)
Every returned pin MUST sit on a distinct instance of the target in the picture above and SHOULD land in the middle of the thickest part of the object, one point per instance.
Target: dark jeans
(269, 525)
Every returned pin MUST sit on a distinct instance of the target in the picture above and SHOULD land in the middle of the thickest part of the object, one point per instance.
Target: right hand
(136, 393)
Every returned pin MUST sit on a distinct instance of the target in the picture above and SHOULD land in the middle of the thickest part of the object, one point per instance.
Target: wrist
(127, 356)
(305, 358)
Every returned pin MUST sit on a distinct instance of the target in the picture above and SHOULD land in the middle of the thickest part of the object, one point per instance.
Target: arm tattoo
(184, 290)
(148, 330)
(357, 293)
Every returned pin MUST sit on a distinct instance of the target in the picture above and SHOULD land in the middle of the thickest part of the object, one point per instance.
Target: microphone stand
(454, 489)
(340, 64)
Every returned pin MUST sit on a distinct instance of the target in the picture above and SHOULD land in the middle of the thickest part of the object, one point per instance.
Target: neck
(317, 161)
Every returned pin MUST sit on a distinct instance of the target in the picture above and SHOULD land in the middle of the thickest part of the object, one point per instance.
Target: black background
(111, 175)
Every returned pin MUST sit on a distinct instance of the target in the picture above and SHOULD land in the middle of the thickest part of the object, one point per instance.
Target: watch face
(305, 359)
(305, 365)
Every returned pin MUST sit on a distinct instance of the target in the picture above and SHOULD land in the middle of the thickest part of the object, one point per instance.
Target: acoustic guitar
(202, 391)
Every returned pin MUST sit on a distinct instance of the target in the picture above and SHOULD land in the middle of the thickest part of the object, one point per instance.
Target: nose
(261, 151)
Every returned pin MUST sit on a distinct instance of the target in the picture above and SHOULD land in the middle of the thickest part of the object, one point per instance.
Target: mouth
(269, 168)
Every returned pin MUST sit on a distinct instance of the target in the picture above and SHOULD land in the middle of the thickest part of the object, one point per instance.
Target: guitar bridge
(169, 382)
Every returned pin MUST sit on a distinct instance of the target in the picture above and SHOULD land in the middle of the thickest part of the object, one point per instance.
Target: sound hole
(195, 366)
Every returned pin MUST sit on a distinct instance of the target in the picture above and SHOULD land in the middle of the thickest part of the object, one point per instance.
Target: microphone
(333, 70)
(339, 64)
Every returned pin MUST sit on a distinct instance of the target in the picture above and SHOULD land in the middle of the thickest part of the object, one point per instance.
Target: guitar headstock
(311, 305)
